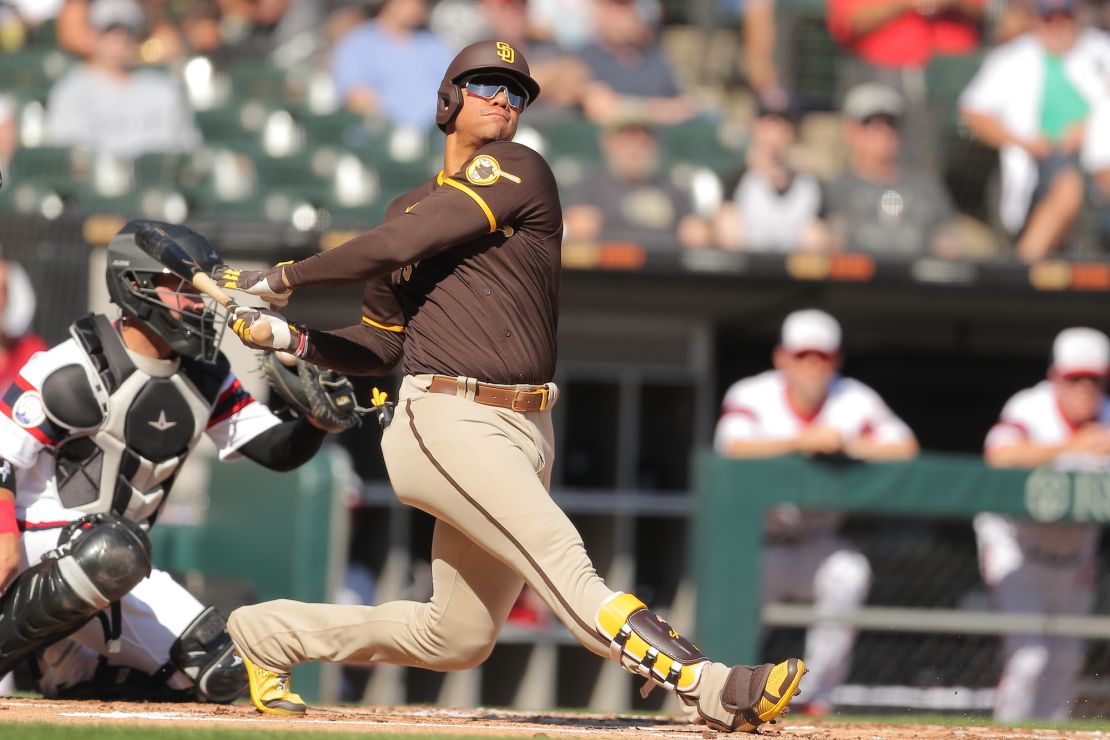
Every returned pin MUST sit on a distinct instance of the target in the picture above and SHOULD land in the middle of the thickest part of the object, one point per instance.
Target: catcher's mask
(498, 57)
(132, 275)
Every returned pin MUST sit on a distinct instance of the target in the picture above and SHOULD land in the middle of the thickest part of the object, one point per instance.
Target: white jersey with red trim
(80, 446)
(758, 409)
(1033, 415)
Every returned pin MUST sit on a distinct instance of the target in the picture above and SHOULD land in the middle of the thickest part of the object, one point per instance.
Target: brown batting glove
(266, 284)
(283, 336)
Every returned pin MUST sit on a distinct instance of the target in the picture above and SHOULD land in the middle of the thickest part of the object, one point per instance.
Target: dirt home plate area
(479, 722)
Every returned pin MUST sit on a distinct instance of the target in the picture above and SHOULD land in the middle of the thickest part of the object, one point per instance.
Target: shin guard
(643, 643)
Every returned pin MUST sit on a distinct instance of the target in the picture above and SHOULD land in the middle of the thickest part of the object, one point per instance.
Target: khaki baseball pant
(484, 473)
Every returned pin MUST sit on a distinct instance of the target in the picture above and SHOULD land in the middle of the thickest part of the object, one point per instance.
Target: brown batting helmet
(483, 56)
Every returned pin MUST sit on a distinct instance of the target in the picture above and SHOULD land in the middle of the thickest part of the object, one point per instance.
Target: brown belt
(515, 397)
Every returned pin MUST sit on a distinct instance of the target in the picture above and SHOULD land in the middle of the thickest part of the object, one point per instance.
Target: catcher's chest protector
(126, 431)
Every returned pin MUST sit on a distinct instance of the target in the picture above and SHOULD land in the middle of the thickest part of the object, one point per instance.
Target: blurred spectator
(1047, 569)
(892, 41)
(285, 32)
(1032, 99)
(878, 205)
(631, 199)
(9, 134)
(17, 308)
(631, 76)
(386, 65)
(567, 23)
(774, 207)
(759, 50)
(21, 19)
(106, 105)
(805, 406)
(78, 35)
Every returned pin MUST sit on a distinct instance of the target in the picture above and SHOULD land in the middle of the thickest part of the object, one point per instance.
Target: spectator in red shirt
(17, 308)
(893, 40)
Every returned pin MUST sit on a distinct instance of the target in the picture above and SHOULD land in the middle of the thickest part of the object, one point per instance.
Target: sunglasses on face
(487, 89)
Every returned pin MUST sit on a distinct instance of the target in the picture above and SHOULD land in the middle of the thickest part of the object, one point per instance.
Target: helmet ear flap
(449, 100)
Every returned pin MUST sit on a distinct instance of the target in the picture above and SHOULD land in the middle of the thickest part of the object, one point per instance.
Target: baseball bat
(161, 246)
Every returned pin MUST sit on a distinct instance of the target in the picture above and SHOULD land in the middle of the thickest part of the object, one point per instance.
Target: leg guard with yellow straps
(643, 643)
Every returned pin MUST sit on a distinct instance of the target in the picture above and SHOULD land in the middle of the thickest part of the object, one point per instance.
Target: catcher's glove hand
(325, 397)
(266, 284)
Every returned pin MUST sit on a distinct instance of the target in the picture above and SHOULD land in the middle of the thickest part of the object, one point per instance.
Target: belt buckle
(542, 392)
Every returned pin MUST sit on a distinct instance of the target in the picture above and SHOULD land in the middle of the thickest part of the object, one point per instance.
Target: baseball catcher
(93, 433)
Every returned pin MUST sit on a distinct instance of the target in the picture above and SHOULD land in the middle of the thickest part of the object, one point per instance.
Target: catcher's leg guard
(55, 597)
(205, 653)
(644, 644)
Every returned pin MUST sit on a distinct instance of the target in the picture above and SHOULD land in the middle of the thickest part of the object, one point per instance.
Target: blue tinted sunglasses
(487, 89)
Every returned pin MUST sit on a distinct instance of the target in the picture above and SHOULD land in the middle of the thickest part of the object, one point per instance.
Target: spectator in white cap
(879, 205)
(804, 405)
(106, 105)
(1031, 567)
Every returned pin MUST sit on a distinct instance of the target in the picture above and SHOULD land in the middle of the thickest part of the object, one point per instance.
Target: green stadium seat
(946, 77)
(31, 70)
(46, 164)
(698, 143)
(158, 169)
(575, 138)
(226, 126)
(261, 81)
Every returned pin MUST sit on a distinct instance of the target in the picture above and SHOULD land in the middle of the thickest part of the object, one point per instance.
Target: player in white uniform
(92, 433)
(1062, 422)
(805, 406)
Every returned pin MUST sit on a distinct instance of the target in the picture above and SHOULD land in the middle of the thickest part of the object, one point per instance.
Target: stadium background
(649, 339)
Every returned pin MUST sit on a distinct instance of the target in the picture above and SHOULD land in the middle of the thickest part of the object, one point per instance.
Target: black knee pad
(103, 559)
(205, 653)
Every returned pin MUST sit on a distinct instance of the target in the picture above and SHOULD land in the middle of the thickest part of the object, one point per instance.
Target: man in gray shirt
(877, 205)
(106, 105)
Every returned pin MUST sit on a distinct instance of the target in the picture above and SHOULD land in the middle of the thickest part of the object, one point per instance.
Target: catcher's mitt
(322, 395)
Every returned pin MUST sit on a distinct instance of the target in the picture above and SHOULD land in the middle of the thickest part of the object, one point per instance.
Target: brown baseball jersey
(463, 275)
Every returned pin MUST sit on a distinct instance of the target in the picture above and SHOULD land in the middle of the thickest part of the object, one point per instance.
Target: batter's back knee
(103, 558)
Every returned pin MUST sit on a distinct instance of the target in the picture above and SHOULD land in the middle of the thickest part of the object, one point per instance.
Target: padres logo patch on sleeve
(485, 170)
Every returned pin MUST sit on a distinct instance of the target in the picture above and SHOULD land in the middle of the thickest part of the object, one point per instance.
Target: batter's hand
(9, 558)
(266, 284)
(284, 337)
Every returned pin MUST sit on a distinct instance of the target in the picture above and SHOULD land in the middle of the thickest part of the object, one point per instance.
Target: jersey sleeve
(237, 418)
(25, 428)
(503, 185)
(739, 420)
(988, 90)
(1011, 428)
(879, 423)
(374, 345)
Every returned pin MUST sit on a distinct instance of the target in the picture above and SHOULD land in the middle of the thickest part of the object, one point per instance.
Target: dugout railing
(733, 496)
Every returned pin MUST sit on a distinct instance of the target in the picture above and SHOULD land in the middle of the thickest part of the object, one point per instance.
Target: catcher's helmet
(483, 56)
(130, 276)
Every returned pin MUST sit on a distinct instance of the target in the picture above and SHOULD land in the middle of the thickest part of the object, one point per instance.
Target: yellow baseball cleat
(270, 691)
(781, 687)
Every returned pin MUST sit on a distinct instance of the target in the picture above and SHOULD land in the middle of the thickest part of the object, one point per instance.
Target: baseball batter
(463, 280)
(805, 406)
(1062, 422)
(92, 434)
